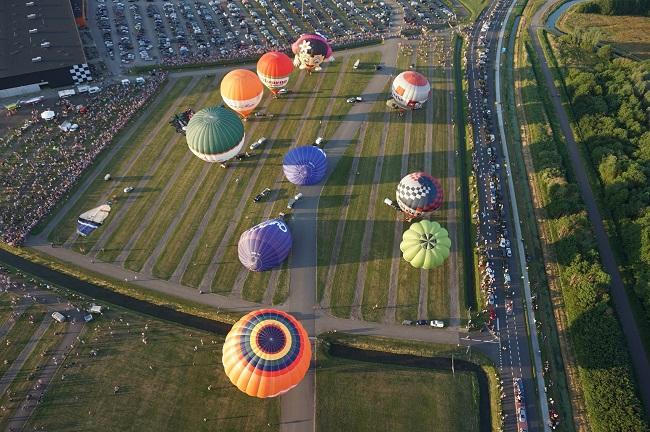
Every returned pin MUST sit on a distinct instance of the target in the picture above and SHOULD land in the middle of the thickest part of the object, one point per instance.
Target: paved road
(617, 289)
(505, 277)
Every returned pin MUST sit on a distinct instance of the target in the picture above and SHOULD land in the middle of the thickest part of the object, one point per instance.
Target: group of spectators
(40, 165)
(252, 52)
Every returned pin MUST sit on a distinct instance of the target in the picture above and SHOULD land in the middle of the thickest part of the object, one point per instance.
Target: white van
(58, 316)
(506, 277)
(257, 143)
(94, 89)
(319, 141)
(356, 64)
(139, 80)
(125, 82)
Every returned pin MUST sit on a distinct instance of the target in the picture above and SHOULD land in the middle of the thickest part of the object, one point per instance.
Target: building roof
(24, 36)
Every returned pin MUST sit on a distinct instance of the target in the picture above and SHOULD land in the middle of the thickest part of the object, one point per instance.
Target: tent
(48, 115)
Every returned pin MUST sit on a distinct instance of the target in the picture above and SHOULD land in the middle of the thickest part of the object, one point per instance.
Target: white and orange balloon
(273, 69)
(242, 91)
(410, 90)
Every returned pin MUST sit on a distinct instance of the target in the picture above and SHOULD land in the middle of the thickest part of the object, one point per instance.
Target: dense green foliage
(616, 7)
(611, 105)
(604, 364)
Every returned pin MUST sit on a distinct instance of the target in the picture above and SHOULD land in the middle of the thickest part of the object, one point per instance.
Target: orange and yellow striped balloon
(266, 353)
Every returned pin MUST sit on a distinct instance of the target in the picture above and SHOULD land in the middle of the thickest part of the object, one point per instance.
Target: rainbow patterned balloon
(266, 353)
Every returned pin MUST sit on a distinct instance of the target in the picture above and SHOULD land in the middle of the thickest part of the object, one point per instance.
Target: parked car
(295, 199)
(408, 322)
(437, 323)
(128, 189)
(261, 195)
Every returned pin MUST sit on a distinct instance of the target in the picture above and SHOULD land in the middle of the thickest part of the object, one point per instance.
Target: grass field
(166, 384)
(360, 396)
(628, 34)
(339, 267)
(14, 341)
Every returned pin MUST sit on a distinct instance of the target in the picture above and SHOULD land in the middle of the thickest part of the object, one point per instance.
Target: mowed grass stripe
(174, 198)
(282, 288)
(375, 291)
(408, 285)
(257, 283)
(439, 278)
(156, 183)
(99, 188)
(329, 214)
(269, 175)
(218, 224)
(158, 147)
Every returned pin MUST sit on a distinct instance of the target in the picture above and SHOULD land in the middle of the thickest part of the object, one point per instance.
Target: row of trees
(616, 7)
(604, 365)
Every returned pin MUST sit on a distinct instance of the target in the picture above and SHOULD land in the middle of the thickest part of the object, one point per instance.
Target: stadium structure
(41, 42)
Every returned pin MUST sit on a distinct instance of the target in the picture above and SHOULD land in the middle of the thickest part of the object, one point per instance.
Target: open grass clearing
(364, 396)
(627, 34)
(118, 164)
(163, 385)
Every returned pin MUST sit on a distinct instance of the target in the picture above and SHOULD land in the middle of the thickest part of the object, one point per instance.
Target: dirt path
(18, 363)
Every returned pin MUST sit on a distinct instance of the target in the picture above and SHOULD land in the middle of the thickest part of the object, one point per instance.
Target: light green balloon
(425, 244)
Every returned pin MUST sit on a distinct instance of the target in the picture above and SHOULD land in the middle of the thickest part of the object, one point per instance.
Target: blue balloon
(265, 246)
(306, 165)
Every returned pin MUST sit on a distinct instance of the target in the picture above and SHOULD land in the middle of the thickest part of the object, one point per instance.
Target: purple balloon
(264, 246)
(306, 165)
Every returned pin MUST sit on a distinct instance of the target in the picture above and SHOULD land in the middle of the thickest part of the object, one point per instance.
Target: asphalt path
(617, 289)
(498, 223)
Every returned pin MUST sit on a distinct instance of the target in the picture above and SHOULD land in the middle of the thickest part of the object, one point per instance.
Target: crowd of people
(253, 52)
(39, 165)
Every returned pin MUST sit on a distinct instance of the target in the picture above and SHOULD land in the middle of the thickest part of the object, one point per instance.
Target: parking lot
(137, 32)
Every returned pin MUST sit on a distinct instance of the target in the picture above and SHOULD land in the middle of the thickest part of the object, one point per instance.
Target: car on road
(354, 99)
(128, 189)
(261, 195)
(437, 323)
(508, 252)
(509, 306)
(294, 200)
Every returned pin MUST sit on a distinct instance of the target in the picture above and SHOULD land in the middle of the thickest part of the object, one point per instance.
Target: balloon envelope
(310, 51)
(264, 246)
(273, 69)
(266, 353)
(418, 194)
(425, 244)
(242, 91)
(215, 134)
(305, 165)
(410, 89)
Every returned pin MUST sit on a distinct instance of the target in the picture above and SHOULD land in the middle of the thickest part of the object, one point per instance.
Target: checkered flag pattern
(418, 194)
(80, 73)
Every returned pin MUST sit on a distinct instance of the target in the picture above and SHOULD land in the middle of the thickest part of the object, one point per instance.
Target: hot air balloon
(242, 91)
(305, 165)
(418, 194)
(265, 245)
(310, 51)
(215, 134)
(410, 90)
(273, 69)
(266, 353)
(92, 219)
(425, 244)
